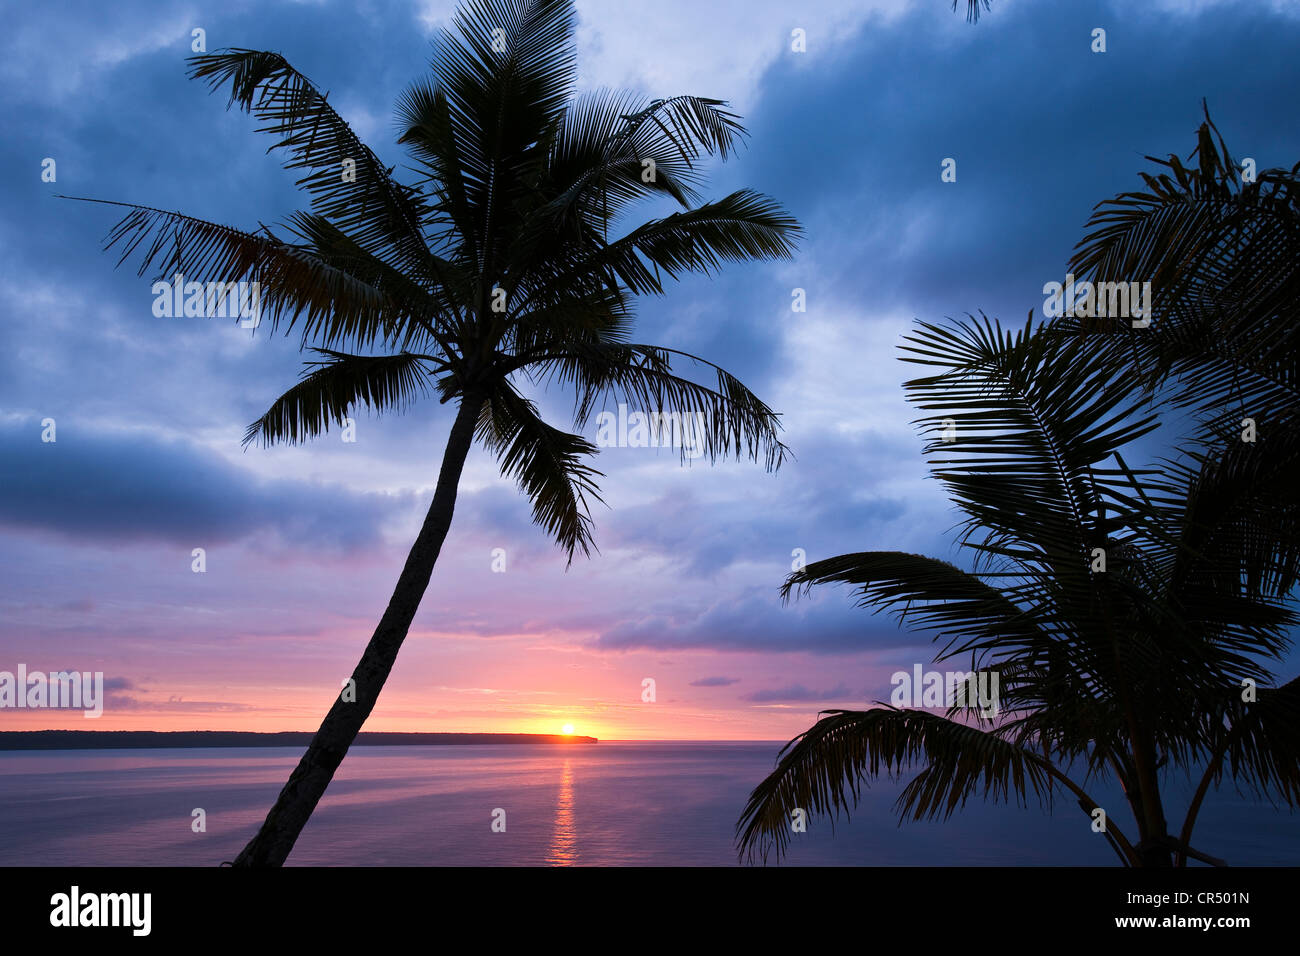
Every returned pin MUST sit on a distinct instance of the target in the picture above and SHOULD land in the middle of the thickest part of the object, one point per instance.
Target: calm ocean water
(629, 803)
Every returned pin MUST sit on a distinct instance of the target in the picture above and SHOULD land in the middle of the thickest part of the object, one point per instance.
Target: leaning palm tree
(1111, 602)
(504, 263)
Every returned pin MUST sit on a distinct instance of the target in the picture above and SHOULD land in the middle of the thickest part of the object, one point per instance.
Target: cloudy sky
(304, 544)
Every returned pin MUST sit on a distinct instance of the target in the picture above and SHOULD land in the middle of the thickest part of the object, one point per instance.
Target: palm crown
(1114, 604)
(1220, 243)
(496, 264)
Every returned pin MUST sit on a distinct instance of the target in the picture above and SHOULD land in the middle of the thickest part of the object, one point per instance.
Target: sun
(567, 729)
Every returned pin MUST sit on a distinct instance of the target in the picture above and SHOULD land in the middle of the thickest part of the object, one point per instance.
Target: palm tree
(1220, 244)
(1111, 603)
(496, 265)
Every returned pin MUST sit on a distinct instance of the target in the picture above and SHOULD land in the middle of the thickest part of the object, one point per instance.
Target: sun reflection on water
(564, 848)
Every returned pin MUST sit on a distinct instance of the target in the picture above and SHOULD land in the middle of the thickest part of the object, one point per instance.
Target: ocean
(640, 803)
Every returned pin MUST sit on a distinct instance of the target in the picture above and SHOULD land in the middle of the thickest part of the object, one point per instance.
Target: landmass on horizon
(157, 739)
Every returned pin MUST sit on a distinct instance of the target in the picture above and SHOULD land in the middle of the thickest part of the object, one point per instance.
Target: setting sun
(567, 729)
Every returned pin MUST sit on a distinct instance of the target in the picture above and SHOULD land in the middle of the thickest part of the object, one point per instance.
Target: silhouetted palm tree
(495, 265)
(1220, 244)
(1113, 604)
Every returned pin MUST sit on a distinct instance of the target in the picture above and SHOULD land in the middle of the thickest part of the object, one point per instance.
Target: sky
(302, 545)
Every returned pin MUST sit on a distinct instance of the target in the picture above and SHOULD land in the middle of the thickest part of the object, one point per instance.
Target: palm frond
(973, 8)
(1221, 255)
(504, 76)
(605, 140)
(823, 770)
(329, 388)
(1032, 420)
(1263, 741)
(927, 594)
(348, 183)
(737, 228)
(549, 464)
(294, 281)
(726, 419)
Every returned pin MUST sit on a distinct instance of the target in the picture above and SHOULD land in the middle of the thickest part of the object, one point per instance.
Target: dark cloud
(131, 487)
(715, 682)
(1039, 137)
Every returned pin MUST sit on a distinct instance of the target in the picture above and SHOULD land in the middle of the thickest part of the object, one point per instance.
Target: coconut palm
(1219, 242)
(1110, 601)
(507, 261)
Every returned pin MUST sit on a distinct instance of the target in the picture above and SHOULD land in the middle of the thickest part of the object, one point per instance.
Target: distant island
(153, 739)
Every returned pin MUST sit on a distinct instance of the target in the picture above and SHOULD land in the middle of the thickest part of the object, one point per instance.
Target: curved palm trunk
(309, 779)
